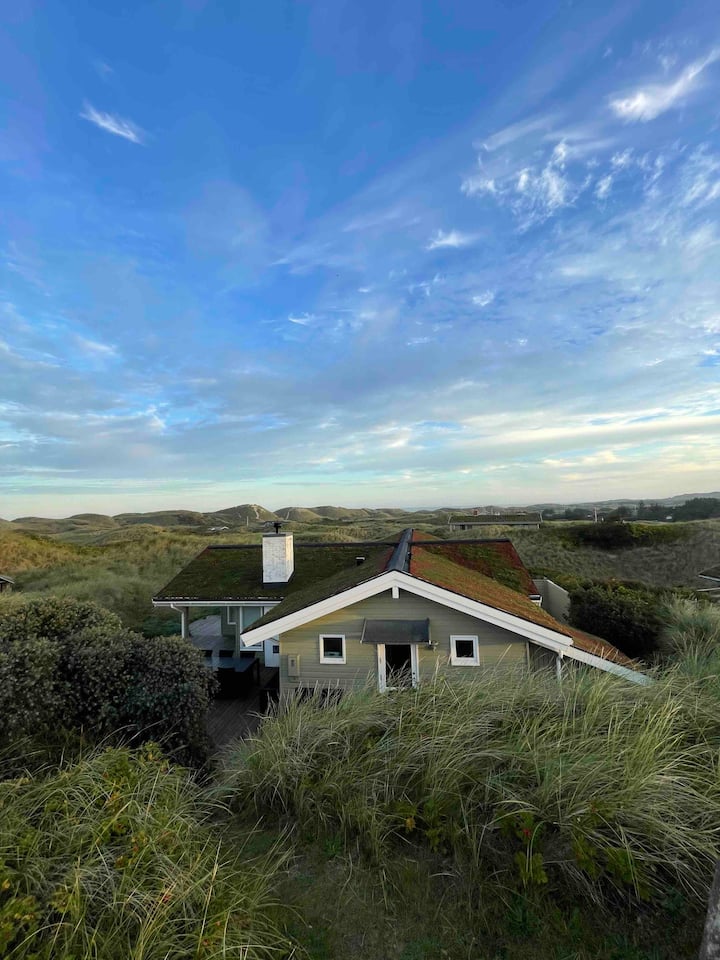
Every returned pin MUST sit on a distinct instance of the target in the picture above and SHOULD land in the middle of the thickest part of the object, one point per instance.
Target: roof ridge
(400, 559)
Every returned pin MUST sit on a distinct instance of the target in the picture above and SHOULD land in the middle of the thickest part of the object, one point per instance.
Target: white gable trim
(534, 632)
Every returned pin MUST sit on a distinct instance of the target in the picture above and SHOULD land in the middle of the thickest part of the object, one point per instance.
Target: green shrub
(30, 701)
(619, 536)
(116, 857)
(55, 618)
(628, 615)
(587, 787)
(73, 665)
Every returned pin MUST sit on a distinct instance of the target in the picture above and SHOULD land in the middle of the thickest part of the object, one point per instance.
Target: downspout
(184, 620)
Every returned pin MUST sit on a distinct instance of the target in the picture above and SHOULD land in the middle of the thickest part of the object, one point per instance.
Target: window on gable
(332, 648)
(464, 652)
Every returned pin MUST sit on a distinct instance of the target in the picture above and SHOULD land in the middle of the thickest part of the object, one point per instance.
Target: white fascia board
(320, 609)
(421, 588)
(609, 666)
(215, 603)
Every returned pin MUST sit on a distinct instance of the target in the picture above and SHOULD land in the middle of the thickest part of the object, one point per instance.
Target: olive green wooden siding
(542, 659)
(497, 646)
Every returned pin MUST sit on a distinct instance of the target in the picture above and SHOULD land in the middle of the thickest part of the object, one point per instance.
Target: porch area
(246, 686)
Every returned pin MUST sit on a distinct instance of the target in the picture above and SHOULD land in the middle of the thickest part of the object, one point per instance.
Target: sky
(396, 253)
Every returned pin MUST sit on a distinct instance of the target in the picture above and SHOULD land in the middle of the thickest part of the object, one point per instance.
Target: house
(6, 584)
(344, 615)
(476, 518)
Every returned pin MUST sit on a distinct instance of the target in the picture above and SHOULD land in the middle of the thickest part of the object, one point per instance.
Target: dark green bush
(621, 536)
(55, 618)
(64, 663)
(626, 615)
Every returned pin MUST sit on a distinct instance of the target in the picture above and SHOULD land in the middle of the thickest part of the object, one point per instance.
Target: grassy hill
(663, 564)
(298, 514)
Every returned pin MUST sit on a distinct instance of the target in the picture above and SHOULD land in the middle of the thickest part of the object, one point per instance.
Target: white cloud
(621, 159)
(111, 123)
(478, 184)
(650, 101)
(453, 238)
(94, 347)
(701, 179)
(603, 187)
(303, 319)
(484, 298)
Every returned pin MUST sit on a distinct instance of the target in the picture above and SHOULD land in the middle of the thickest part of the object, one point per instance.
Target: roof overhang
(189, 602)
(553, 640)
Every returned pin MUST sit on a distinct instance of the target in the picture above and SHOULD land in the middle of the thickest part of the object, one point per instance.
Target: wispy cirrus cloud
(112, 123)
(95, 347)
(483, 299)
(453, 238)
(648, 102)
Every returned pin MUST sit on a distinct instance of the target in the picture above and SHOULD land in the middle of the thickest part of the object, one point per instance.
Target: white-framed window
(332, 648)
(464, 651)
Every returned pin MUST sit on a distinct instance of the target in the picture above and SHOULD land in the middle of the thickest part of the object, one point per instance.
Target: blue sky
(365, 253)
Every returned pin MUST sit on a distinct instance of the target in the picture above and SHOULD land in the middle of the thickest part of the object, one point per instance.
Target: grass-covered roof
(431, 565)
(225, 573)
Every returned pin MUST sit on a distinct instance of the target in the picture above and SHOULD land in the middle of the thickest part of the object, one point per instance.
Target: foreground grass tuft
(116, 856)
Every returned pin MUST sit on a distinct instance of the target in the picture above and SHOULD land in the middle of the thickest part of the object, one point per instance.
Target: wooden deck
(231, 717)
(239, 717)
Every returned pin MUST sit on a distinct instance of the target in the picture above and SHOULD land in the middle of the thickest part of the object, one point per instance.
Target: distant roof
(6, 579)
(490, 518)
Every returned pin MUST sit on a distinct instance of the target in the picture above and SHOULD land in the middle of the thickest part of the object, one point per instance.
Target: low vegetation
(116, 857)
(597, 786)
(628, 615)
(68, 667)
(666, 560)
(505, 818)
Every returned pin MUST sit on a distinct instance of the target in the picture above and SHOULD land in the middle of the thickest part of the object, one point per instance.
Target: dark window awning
(395, 631)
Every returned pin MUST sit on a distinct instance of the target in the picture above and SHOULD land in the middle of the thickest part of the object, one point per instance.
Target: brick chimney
(278, 557)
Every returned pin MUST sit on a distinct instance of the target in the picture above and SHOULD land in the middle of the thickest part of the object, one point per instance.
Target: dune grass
(596, 785)
(117, 856)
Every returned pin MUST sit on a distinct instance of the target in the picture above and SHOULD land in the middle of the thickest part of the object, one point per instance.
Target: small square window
(332, 648)
(464, 652)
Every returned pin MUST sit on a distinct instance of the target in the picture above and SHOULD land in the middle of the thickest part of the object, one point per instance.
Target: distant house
(217, 529)
(399, 612)
(6, 584)
(466, 521)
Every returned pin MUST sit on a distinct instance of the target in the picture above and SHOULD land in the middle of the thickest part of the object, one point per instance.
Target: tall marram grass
(117, 857)
(593, 785)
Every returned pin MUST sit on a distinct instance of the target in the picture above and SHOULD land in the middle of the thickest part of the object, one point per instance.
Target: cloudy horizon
(362, 254)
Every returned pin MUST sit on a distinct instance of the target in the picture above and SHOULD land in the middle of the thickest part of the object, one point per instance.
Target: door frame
(382, 667)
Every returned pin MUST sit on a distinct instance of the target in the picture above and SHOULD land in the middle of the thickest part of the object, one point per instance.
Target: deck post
(185, 622)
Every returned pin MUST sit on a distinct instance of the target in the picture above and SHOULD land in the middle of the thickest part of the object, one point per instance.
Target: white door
(401, 660)
(382, 668)
(272, 652)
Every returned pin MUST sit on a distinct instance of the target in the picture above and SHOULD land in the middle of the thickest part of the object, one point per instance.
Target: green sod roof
(225, 573)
